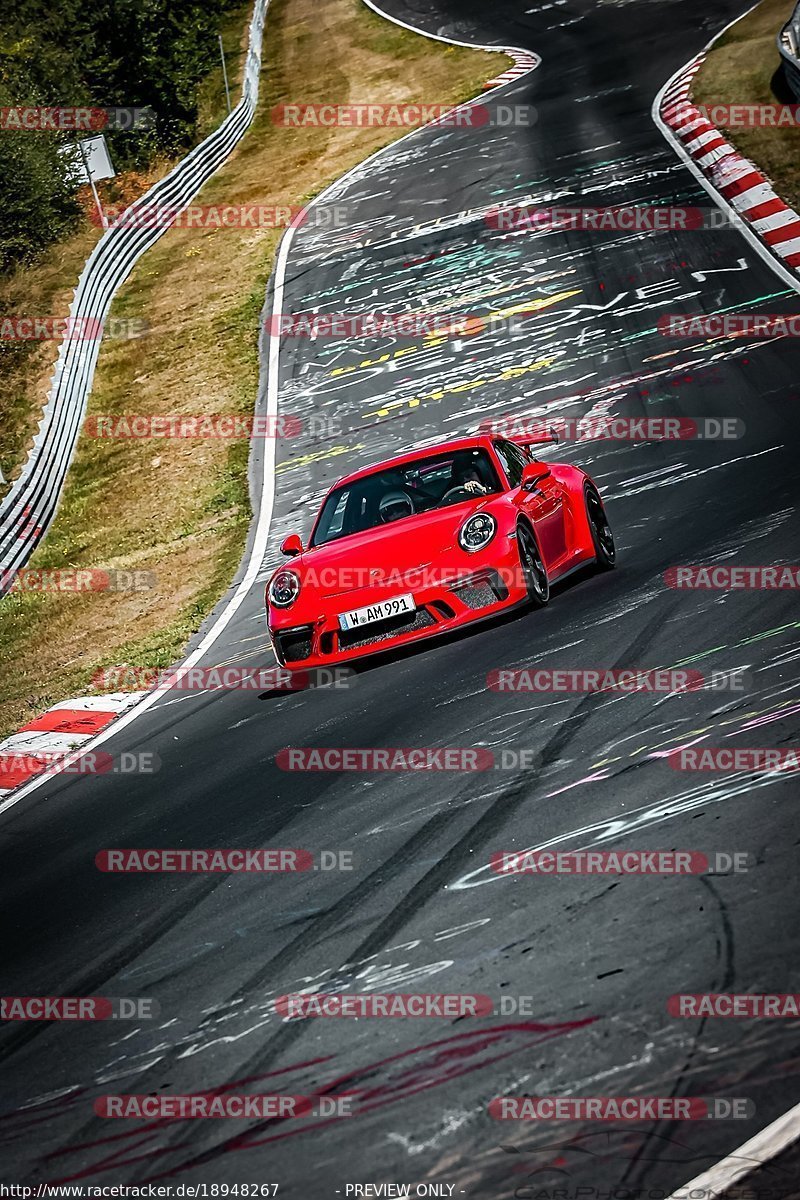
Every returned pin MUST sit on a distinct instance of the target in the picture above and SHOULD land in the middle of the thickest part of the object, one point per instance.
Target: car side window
(513, 460)
(337, 517)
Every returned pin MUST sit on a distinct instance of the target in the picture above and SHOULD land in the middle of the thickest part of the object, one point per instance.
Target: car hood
(382, 556)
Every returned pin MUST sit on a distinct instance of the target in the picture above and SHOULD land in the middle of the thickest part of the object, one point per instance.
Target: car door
(544, 505)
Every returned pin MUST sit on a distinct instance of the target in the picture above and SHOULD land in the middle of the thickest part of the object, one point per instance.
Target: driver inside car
(471, 481)
(395, 503)
(404, 498)
(466, 477)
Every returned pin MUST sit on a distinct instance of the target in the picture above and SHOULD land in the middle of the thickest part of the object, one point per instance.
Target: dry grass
(741, 69)
(180, 509)
(26, 367)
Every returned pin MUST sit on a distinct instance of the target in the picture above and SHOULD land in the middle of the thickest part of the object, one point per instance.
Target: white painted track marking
(749, 1157)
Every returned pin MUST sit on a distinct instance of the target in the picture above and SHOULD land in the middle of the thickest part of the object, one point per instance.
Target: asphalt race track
(421, 910)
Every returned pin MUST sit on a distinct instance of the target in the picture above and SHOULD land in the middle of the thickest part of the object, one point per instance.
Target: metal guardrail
(30, 506)
(789, 46)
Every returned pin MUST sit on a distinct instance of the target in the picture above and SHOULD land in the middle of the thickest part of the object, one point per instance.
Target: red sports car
(428, 542)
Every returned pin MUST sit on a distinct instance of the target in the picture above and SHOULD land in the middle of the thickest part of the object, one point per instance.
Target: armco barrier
(30, 506)
(789, 47)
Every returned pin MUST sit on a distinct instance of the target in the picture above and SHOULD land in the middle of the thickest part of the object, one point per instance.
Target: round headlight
(284, 589)
(477, 532)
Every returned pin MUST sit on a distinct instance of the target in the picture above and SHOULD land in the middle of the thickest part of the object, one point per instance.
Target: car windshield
(396, 493)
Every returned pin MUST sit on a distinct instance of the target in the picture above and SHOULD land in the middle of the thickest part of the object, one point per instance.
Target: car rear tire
(533, 568)
(602, 537)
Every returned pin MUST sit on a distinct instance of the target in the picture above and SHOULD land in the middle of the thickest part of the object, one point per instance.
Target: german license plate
(381, 611)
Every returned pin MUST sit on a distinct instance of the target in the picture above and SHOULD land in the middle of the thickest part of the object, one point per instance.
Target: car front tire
(533, 569)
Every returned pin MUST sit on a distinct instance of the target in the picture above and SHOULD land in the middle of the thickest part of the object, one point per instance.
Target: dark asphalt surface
(421, 911)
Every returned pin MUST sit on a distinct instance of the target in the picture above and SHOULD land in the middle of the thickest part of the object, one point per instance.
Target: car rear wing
(538, 433)
(540, 438)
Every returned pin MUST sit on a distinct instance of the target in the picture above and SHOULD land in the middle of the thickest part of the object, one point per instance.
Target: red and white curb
(524, 61)
(63, 728)
(737, 181)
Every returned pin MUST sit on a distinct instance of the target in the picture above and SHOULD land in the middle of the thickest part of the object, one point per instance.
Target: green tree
(126, 53)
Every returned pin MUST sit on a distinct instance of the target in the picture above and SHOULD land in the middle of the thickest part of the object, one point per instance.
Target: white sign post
(91, 162)
(224, 73)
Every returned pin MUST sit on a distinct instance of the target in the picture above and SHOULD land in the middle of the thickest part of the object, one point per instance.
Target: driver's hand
(472, 485)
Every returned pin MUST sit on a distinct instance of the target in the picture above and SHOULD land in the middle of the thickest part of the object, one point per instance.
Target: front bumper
(440, 608)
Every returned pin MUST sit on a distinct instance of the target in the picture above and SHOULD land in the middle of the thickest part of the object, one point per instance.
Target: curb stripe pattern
(62, 728)
(524, 62)
(735, 177)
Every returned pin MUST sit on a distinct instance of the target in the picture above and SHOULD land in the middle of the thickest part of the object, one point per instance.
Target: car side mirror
(533, 474)
(291, 546)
